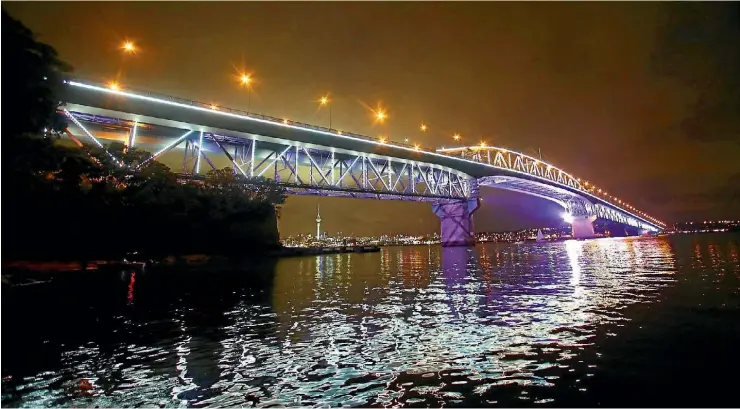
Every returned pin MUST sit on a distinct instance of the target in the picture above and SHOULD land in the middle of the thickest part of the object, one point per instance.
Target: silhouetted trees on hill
(70, 202)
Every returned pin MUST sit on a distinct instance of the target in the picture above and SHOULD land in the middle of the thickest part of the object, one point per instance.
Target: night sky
(642, 99)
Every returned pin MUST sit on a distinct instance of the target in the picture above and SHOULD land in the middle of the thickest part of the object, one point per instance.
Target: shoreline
(52, 266)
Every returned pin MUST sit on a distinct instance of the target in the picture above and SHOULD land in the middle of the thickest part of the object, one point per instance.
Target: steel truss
(316, 171)
(327, 172)
(509, 160)
(322, 171)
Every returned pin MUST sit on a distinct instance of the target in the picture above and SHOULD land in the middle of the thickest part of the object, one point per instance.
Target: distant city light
(406, 140)
(324, 100)
(417, 147)
(482, 144)
(423, 128)
(214, 107)
(456, 136)
(114, 86)
(382, 140)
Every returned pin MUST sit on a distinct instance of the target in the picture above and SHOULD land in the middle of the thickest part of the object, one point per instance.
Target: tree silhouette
(72, 202)
(32, 76)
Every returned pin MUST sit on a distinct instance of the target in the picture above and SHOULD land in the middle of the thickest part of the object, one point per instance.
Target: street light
(114, 86)
(380, 115)
(326, 101)
(456, 137)
(423, 128)
(129, 47)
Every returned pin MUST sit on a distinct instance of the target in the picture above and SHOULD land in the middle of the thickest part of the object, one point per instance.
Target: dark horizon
(639, 98)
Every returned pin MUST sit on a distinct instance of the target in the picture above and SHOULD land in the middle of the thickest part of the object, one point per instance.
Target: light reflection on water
(495, 324)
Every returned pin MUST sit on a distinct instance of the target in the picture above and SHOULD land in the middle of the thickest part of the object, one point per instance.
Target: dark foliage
(32, 79)
(71, 202)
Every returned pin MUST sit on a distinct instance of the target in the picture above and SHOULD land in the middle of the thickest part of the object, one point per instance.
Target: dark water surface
(612, 322)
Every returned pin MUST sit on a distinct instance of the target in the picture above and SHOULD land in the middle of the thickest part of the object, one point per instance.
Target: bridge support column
(456, 222)
(582, 227)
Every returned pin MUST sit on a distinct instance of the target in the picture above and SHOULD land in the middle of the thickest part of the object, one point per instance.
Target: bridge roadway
(323, 161)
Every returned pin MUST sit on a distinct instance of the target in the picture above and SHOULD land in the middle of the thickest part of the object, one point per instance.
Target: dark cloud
(639, 98)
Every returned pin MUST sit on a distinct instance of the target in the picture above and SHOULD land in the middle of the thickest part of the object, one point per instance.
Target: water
(611, 322)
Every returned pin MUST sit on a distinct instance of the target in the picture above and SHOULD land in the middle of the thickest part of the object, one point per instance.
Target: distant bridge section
(306, 159)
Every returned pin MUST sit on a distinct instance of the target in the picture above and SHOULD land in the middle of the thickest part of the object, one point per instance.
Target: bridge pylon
(580, 214)
(456, 222)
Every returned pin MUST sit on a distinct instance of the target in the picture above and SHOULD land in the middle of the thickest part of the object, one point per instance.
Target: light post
(326, 101)
(246, 80)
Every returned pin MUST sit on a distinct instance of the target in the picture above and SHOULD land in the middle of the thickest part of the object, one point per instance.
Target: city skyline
(439, 97)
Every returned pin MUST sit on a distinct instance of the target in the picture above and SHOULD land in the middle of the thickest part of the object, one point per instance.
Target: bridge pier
(582, 227)
(456, 222)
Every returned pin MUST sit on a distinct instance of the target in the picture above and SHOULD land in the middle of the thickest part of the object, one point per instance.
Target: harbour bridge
(312, 160)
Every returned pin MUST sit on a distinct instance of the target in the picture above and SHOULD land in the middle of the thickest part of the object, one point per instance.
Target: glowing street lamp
(129, 47)
(456, 136)
(114, 86)
(326, 101)
(380, 115)
(423, 128)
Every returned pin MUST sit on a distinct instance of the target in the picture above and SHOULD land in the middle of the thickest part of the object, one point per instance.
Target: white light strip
(200, 149)
(291, 126)
(72, 117)
(133, 134)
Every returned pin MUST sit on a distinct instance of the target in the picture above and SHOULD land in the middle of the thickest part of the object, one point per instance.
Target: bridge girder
(228, 124)
(309, 169)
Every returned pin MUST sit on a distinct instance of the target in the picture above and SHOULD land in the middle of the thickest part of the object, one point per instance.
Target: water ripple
(495, 325)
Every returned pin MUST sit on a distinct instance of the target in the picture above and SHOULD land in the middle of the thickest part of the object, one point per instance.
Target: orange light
(285, 121)
(406, 140)
(245, 79)
(129, 47)
(214, 107)
(382, 140)
(114, 86)
(482, 144)
(324, 100)
(380, 115)
(423, 128)
(456, 137)
(417, 147)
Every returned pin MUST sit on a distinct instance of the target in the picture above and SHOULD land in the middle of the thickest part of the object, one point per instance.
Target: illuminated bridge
(307, 159)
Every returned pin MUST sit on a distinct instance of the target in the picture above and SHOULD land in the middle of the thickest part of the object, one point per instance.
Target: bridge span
(313, 160)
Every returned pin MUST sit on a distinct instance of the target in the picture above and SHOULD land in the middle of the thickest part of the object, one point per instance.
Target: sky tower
(318, 221)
